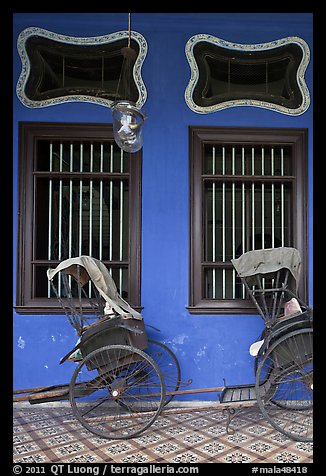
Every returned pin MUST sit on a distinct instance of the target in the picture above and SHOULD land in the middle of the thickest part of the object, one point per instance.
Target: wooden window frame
(198, 138)
(29, 133)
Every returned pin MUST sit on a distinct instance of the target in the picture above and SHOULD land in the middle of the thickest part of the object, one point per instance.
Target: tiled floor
(49, 434)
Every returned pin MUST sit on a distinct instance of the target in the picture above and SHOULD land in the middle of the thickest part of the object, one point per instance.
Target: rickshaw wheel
(168, 365)
(117, 392)
(284, 385)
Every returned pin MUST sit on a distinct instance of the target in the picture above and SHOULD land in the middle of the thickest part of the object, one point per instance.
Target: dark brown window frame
(29, 133)
(198, 137)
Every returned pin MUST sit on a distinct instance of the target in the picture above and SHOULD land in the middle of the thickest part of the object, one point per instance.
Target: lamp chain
(125, 60)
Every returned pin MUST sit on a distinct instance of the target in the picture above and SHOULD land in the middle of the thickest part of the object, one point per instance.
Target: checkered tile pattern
(50, 434)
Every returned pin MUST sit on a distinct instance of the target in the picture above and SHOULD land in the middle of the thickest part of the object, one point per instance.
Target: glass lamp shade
(127, 125)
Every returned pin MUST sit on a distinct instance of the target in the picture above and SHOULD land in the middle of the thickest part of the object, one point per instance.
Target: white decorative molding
(92, 40)
(246, 47)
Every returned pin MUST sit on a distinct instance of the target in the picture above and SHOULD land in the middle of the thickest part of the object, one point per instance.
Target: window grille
(80, 200)
(244, 196)
(86, 216)
(246, 201)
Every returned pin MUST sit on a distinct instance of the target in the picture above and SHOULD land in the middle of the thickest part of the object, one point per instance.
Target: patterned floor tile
(237, 457)
(187, 457)
(136, 458)
(118, 449)
(47, 434)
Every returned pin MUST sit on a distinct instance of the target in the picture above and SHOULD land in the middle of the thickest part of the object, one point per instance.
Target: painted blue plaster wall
(209, 347)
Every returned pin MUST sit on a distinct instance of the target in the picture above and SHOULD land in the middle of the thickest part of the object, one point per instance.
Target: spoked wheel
(117, 392)
(168, 365)
(284, 385)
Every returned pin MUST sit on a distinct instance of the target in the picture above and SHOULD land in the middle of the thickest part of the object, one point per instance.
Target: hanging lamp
(127, 118)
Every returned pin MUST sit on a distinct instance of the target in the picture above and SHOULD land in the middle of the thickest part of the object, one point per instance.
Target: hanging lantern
(127, 118)
(127, 125)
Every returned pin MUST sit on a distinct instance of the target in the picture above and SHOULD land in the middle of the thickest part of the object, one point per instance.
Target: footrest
(238, 393)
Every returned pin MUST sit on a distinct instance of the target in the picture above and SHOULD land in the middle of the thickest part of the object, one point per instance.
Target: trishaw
(123, 380)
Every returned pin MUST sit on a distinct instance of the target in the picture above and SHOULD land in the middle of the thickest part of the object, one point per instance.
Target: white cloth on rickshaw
(268, 261)
(254, 348)
(98, 273)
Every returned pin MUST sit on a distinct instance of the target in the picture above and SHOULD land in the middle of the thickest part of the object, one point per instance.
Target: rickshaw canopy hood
(94, 270)
(267, 261)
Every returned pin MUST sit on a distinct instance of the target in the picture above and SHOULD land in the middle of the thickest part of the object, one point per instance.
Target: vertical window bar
(101, 206)
(223, 222)
(90, 247)
(121, 223)
(282, 198)
(111, 207)
(60, 215)
(233, 222)
(263, 206)
(102, 73)
(263, 198)
(70, 201)
(81, 152)
(70, 207)
(243, 212)
(90, 237)
(273, 199)
(253, 198)
(214, 224)
(63, 71)
(60, 202)
(50, 214)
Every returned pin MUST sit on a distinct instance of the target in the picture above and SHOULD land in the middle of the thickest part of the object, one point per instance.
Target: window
(59, 68)
(248, 191)
(269, 75)
(78, 194)
(64, 69)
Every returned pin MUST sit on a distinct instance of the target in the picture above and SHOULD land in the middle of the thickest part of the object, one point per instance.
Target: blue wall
(209, 347)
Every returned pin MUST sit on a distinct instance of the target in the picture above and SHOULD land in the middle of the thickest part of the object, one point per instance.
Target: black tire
(117, 392)
(284, 385)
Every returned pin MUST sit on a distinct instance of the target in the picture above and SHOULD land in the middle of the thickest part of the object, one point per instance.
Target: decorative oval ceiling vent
(267, 75)
(58, 68)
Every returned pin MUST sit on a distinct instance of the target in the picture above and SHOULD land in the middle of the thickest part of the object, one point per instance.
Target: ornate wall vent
(58, 68)
(267, 75)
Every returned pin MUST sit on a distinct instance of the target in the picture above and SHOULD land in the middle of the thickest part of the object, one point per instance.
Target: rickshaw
(284, 354)
(123, 380)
